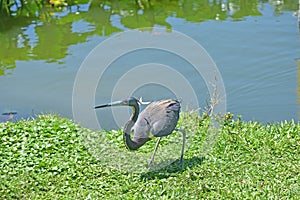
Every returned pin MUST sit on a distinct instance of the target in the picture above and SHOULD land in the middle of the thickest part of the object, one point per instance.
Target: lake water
(255, 45)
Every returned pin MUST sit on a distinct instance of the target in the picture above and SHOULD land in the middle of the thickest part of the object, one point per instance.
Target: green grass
(48, 158)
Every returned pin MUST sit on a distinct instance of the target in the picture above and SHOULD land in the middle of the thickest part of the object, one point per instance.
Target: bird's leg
(152, 157)
(183, 143)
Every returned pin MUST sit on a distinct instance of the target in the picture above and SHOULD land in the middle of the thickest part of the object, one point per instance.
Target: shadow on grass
(172, 169)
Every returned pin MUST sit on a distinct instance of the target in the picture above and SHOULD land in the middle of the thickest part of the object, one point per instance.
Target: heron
(158, 119)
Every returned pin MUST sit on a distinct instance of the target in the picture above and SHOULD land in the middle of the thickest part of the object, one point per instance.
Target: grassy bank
(46, 158)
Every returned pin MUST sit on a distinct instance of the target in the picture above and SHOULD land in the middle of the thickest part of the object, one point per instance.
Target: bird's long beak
(116, 103)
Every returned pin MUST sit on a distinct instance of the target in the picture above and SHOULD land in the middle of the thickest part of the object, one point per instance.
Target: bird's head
(131, 101)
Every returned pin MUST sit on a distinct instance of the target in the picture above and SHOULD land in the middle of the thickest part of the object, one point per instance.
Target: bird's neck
(135, 113)
(131, 145)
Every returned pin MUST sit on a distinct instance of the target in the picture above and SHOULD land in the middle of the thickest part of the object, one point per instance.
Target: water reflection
(298, 88)
(44, 32)
(41, 35)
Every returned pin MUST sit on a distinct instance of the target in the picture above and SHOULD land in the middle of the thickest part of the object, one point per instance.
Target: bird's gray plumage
(158, 119)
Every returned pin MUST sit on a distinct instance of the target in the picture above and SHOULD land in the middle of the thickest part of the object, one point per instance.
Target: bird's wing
(165, 117)
(159, 118)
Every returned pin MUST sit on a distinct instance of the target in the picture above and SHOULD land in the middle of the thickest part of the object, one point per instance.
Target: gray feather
(159, 119)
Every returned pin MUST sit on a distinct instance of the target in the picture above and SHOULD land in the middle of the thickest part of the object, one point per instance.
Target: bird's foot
(151, 161)
(180, 164)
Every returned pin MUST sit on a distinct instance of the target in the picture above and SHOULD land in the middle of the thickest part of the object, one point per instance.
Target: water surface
(255, 45)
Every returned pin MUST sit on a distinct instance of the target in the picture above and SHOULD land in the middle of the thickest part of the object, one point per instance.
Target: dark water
(255, 45)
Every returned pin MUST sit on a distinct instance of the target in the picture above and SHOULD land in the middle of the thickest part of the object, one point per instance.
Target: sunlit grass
(48, 158)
